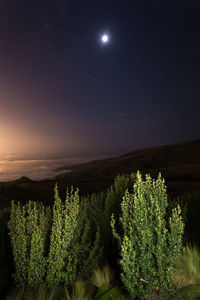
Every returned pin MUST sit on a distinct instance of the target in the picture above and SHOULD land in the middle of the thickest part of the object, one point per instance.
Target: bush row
(63, 244)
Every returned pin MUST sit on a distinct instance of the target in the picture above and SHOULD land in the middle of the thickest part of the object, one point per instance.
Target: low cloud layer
(12, 168)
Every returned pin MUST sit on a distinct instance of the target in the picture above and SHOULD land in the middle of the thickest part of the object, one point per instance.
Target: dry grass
(79, 292)
(102, 276)
(41, 293)
(187, 268)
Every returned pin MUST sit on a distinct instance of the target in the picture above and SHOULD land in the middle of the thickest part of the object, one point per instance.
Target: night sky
(66, 94)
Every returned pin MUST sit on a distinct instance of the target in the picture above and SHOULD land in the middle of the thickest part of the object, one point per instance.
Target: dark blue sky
(63, 93)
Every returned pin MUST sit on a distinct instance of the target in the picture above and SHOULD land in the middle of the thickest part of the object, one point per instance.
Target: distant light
(105, 38)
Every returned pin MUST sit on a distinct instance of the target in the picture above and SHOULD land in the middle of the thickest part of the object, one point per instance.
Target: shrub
(53, 247)
(88, 242)
(17, 228)
(112, 205)
(62, 233)
(85, 249)
(186, 270)
(28, 227)
(95, 206)
(149, 244)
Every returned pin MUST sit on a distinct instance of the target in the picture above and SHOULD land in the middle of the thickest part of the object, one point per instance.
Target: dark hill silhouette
(23, 179)
(178, 163)
(154, 157)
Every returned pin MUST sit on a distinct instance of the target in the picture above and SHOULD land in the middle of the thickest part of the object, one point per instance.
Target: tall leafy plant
(90, 243)
(85, 250)
(65, 218)
(28, 227)
(54, 247)
(38, 225)
(19, 242)
(113, 201)
(150, 243)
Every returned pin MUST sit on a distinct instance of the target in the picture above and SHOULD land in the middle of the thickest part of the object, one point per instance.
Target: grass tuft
(41, 293)
(16, 294)
(79, 292)
(102, 276)
(187, 268)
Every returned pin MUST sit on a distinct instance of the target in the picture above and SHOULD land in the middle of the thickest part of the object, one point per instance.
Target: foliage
(28, 227)
(86, 247)
(186, 270)
(112, 205)
(54, 247)
(149, 244)
(91, 241)
(37, 226)
(95, 205)
(102, 276)
(62, 234)
(108, 291)
(17, 227)
(100, 206)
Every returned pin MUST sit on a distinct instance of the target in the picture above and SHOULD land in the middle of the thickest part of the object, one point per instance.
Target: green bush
(150, 243)
(55, 248)
(95, 206)
(88, 241)
(85, 249)
(65, 218)
(113, 201)
(28, 228)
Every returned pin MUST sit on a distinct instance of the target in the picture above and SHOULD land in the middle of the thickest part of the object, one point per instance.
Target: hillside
(178, 163)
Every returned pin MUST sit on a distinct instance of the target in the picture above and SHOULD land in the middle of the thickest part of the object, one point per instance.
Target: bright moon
(104, 38)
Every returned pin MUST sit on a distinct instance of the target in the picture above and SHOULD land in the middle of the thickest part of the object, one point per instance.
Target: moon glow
(105, 38)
